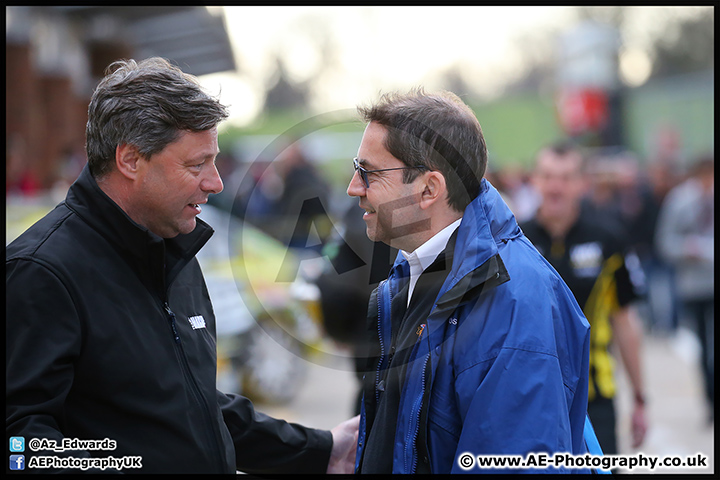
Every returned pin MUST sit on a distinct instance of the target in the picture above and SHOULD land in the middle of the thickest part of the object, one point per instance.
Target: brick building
(56, 55)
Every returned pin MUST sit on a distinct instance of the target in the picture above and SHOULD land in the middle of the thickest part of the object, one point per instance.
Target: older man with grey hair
(110, 329)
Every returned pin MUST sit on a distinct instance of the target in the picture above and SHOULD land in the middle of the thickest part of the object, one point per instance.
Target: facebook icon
(17, 462)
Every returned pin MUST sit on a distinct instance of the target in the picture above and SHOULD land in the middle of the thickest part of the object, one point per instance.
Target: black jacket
(111, 334)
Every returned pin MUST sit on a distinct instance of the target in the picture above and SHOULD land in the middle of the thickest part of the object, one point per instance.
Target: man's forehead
(374, 135)
(553, 161)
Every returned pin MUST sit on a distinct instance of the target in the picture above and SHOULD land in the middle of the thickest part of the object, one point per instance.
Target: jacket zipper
(194, 389)
(412, 434)
(381, 363)
(171, 318)
(381, 302)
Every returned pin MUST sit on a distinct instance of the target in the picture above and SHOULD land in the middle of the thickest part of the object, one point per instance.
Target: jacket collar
(161, 258)
(486, 222)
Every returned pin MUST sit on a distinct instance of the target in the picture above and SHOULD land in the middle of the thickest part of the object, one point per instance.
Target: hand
(342, 456)
(639, 425)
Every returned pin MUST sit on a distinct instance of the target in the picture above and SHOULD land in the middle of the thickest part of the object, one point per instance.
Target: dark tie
(399, 278)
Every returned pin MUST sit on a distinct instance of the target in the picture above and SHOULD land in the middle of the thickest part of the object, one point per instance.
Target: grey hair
(145, 104)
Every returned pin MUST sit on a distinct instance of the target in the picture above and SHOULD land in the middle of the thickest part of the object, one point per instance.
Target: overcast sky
(384, 48)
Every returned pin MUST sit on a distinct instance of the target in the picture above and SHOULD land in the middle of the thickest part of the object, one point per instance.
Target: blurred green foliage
(516, 126)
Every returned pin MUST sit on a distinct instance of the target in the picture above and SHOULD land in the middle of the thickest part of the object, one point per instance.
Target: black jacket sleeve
(267, 445)
(43, 341)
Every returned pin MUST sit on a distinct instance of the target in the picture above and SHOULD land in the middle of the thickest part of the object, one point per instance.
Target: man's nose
(212, 182)
(356, 188)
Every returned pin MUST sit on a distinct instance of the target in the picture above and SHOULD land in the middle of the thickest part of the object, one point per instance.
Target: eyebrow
(365, 164)
(202, 157)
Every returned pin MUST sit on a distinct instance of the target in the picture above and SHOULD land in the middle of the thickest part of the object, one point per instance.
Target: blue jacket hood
(487, 221)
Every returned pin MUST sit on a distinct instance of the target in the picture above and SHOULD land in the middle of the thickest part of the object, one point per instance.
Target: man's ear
(434, 189)
(127, 157)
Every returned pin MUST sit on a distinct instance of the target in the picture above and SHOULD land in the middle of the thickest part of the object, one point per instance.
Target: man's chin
(186, 227)
(372, 234)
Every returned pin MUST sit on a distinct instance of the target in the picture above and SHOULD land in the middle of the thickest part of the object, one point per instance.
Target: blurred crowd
(22, 180)
(632, 195)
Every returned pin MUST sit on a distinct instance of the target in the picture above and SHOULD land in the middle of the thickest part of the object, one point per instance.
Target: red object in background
(27, 184)
(582, 110)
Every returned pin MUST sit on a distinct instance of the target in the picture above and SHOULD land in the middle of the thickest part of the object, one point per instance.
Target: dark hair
(145, 104)
(564, 148)
(437, 131)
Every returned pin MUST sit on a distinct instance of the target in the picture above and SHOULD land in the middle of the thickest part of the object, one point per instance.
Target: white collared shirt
(425, 254)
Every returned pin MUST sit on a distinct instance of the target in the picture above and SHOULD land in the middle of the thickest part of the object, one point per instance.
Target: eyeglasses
(364, 176)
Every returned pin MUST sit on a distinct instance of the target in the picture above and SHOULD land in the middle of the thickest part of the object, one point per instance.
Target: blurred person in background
(288, 198)
(20, 179)
(664, 171)
(600, 197)
(255, 193)
(522, 198)
(685, 238)
(357, 265)
(619, 193)
(481, 347)
(304, 198)
(663, 303)
(591, 257)
(110, 329)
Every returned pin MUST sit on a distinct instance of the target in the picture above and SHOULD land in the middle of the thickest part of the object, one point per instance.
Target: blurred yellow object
(22, 214)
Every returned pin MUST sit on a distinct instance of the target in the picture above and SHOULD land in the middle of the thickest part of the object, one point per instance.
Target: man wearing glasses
(480, 346)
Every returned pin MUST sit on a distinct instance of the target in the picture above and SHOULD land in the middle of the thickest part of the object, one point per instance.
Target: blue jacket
(505, 350)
